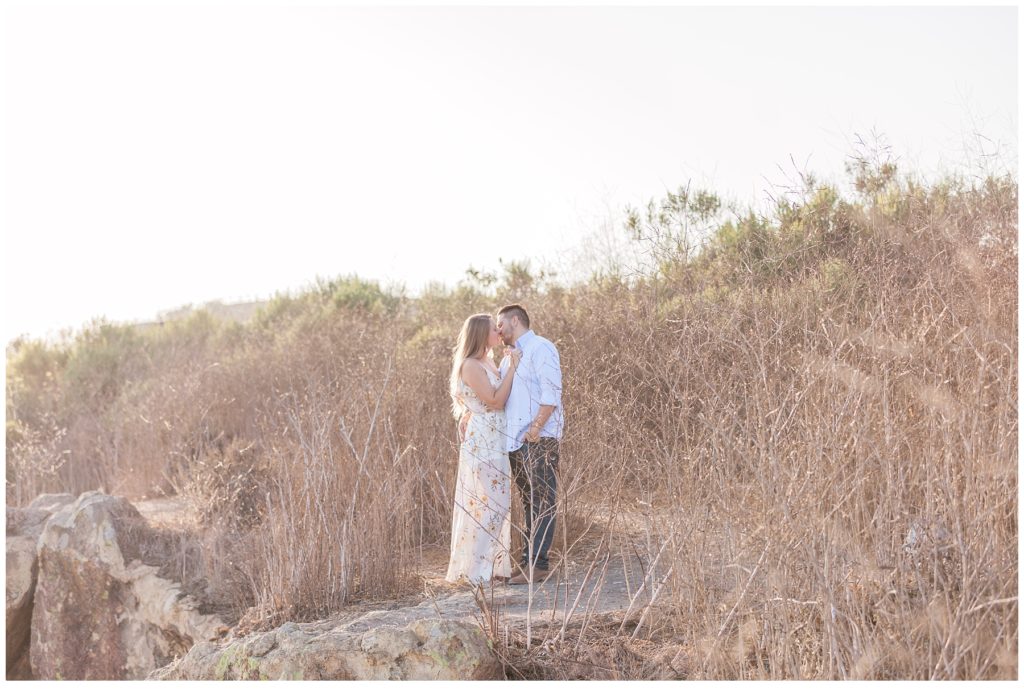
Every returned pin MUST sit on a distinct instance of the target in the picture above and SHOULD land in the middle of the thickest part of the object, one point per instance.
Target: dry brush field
(805, 422)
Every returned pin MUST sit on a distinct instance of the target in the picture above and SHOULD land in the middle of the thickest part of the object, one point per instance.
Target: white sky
(156, 156)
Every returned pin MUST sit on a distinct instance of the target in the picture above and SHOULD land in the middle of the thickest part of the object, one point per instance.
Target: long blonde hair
(472, 338)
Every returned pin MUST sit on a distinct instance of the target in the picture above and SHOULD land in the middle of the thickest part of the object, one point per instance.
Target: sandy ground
(597, 578)
(164, 512)
(588, 582)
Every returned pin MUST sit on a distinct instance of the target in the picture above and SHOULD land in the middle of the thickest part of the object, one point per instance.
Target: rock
(23, 529)
(405, 644)
(25, 522)
(51, 502)
(101, 612)
(21, 581)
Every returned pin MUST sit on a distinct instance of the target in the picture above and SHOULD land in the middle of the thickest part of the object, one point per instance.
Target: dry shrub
(793, 437)
(602, 654)
(33, 461)
(810, 429)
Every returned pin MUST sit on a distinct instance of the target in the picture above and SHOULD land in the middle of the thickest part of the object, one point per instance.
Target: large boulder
(102, 609)
(23, 528)
(422, 643)
(51, 502)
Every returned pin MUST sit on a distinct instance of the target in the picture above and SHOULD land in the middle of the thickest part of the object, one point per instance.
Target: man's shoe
(524, 576)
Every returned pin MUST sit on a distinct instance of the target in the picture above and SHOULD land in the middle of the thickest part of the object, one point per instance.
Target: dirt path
(597, 578)
(600, 576)
(164, 512)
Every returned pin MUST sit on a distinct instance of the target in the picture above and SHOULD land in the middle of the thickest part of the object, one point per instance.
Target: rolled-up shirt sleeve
(549, 372)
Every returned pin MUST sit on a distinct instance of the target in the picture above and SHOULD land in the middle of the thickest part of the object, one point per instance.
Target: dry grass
(810, 427)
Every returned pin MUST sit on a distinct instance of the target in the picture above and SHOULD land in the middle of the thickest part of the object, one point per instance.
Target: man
(534, 421)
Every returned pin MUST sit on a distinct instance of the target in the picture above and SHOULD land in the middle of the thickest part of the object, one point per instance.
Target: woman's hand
(515, 355)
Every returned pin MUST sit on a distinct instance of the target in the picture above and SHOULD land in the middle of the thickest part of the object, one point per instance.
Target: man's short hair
(516, 310)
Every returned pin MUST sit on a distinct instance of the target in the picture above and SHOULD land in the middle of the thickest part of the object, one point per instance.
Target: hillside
(805, 420)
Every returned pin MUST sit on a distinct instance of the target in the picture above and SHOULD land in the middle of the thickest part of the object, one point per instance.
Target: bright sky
(157, 156)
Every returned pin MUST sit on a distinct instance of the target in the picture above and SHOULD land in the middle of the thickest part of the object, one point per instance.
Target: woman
(481, 528)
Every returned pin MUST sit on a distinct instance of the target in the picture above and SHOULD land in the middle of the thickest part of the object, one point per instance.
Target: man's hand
(463, 423)
(533, 434)
(538, 423)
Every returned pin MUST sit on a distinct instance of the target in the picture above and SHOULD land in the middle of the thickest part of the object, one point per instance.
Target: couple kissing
(510, 423)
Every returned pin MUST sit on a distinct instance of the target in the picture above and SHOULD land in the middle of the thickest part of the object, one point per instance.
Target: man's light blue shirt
(537, 382)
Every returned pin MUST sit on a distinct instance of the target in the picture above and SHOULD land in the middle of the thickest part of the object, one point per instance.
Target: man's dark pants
(534, 466)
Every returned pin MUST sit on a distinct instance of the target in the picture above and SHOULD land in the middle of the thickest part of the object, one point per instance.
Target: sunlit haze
(158, 156)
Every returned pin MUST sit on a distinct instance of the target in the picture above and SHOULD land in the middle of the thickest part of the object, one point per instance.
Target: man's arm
(549, 371)
(533, 434)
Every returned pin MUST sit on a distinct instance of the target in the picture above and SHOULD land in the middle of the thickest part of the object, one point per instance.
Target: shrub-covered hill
(798, 394)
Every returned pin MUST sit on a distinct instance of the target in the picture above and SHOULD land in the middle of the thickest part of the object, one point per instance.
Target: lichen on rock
(93, 587)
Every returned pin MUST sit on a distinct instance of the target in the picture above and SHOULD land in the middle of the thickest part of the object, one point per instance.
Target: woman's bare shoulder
(471, 365)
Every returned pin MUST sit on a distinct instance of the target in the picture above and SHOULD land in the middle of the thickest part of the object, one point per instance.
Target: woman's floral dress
(481, 522)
